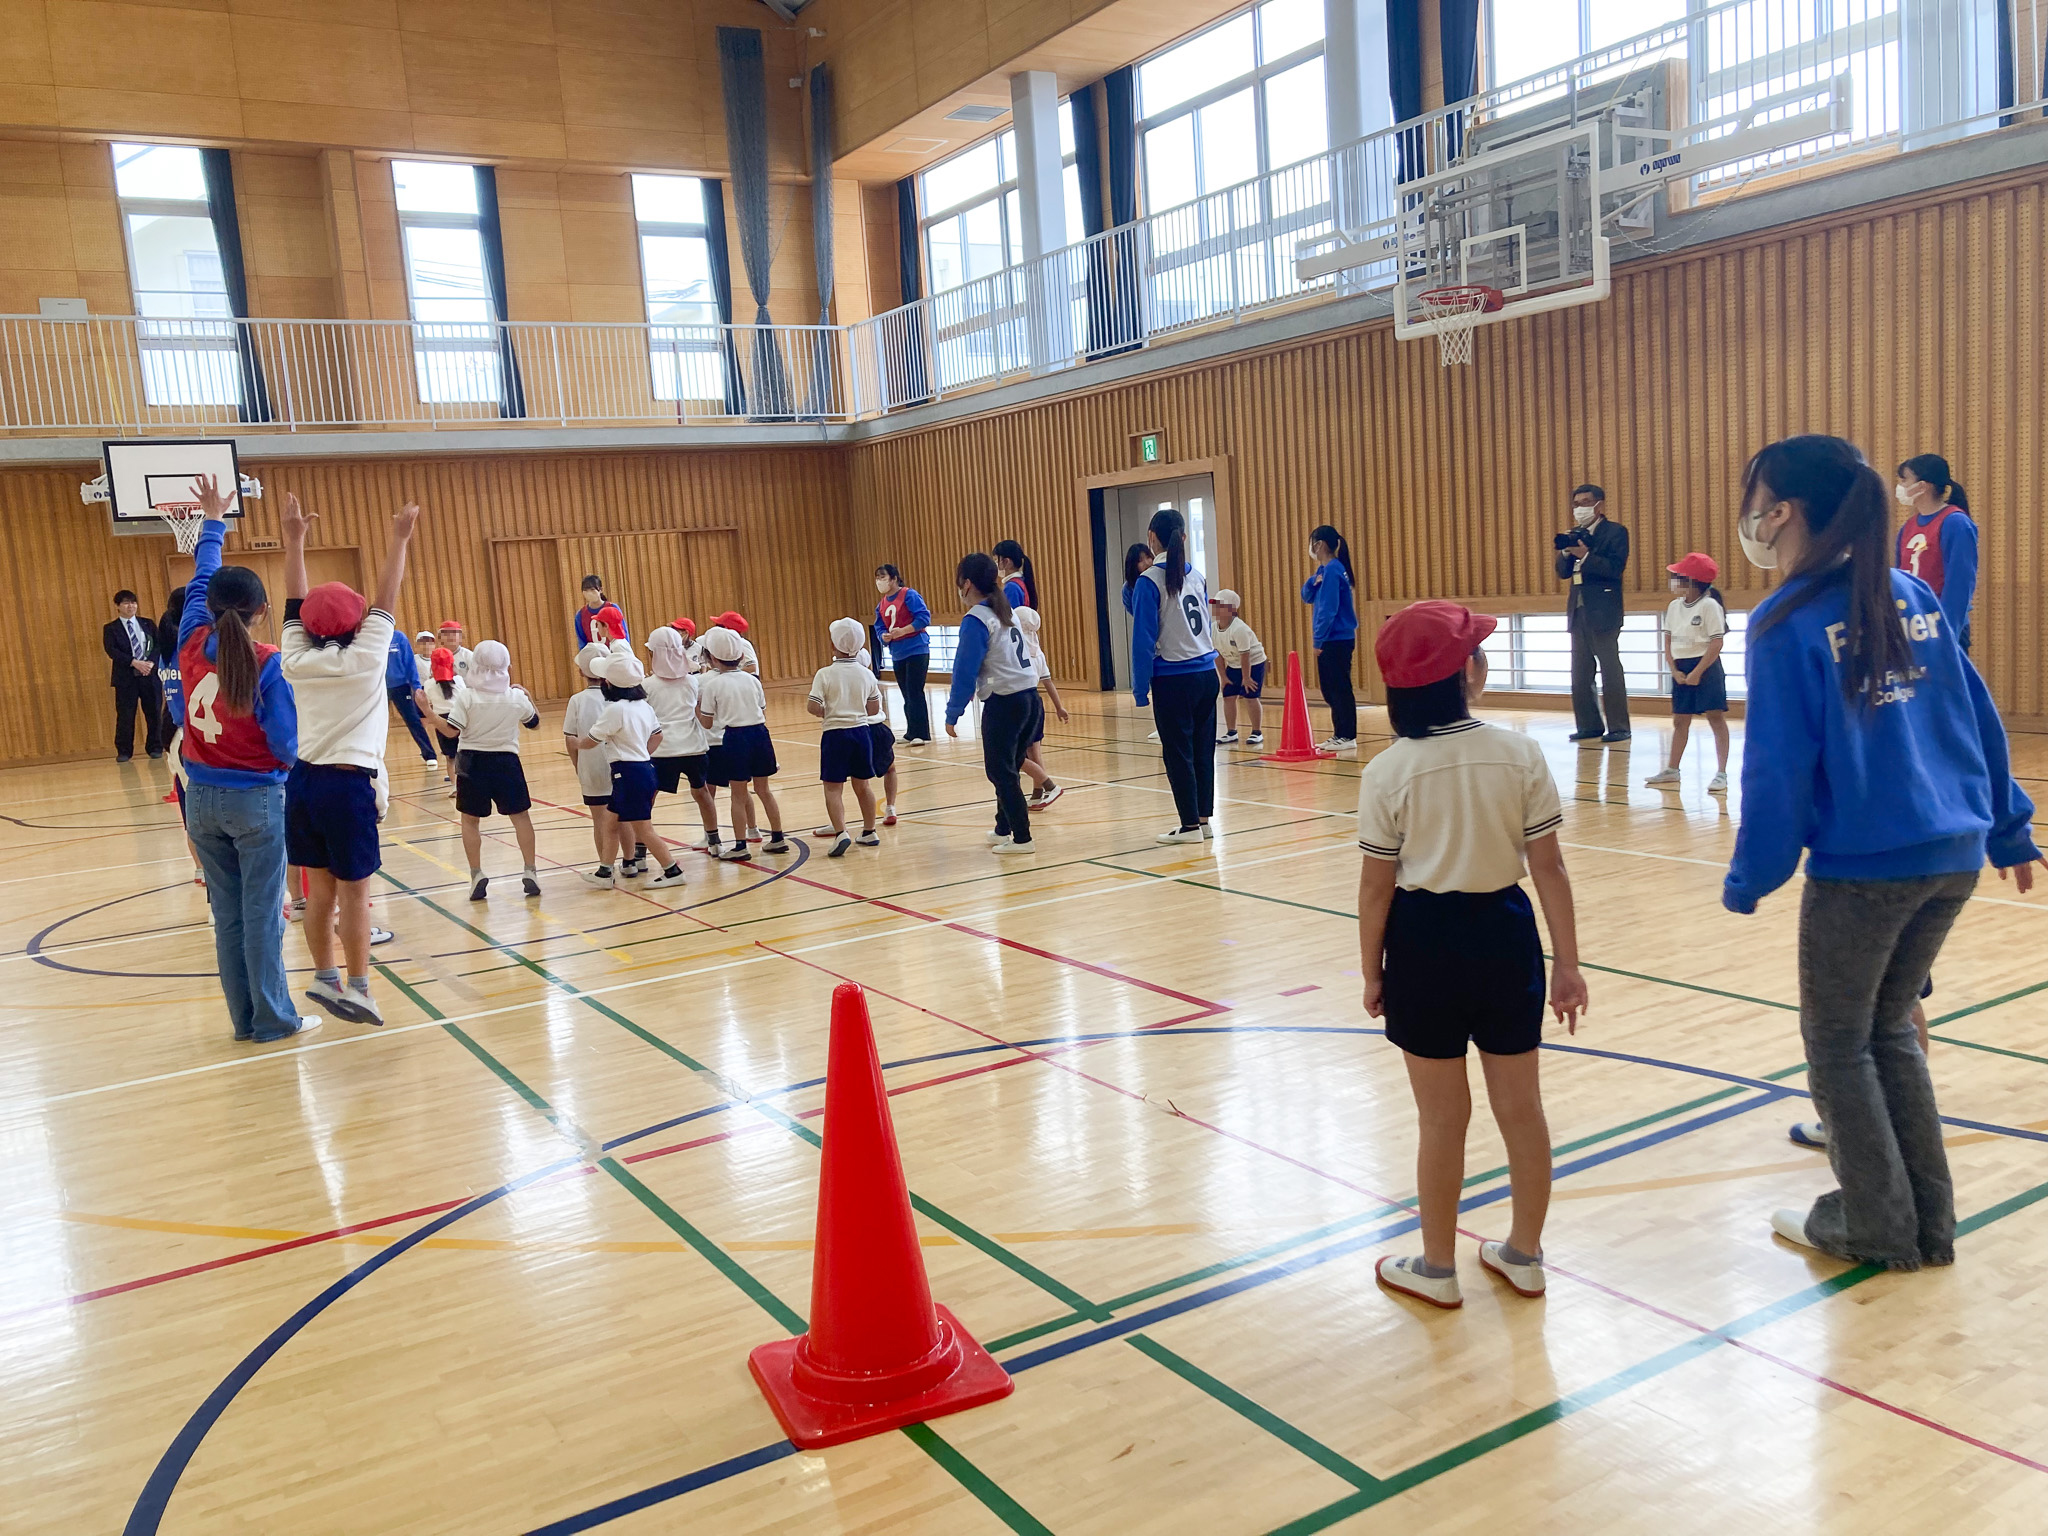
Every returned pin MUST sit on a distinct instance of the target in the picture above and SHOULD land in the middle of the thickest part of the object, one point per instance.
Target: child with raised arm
(847, 697)
(335, 646)
(489, 714)
(1447, 941)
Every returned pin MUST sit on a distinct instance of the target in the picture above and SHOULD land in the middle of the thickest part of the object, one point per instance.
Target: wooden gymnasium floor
(498, 1265)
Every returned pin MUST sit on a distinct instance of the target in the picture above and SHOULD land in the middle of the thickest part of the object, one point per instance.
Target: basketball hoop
(185, 522)
(1453, 313)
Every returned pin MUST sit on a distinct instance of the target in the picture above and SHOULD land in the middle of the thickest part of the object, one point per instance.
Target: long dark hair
(1933, 468)
(1132, 569)
(1848, 527)
(1171, 530)
(1013, 552)
(234, 597)
(167, 626)
(1323, 533)
(979, 572)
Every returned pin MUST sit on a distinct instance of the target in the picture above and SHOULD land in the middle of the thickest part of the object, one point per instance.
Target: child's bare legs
(1717, 722)
(1253, 714)
(1443, 1108)
(742, 811)
(352, 897)
(835, 806)
(643, 832)
(1681, 732)
(319, 923)
(1034, 767)
(707, 806)
(769, 805)
(522, 828)
(864, 797)
(1920, 1025)
(1229, 712)
(473, 840)
(604, 831)
(889, 787)
(1517, 1101)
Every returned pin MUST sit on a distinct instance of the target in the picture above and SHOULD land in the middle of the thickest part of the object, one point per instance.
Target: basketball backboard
(151, 479)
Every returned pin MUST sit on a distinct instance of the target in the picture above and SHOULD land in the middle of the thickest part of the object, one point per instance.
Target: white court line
(1153, 789)
(1722, 864)
(98, 869)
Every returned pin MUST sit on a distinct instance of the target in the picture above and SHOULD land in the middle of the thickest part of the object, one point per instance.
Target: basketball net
(1453, 313)
(185, 523)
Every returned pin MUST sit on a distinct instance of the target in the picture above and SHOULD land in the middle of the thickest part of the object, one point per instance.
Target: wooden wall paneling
(528, 613)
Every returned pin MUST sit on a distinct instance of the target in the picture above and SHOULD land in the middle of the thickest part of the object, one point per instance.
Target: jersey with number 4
(1006, 668)
(1194, 635)
(213, 737)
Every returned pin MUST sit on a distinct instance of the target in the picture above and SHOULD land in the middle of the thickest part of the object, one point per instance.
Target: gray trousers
(1604, 647)
(1865, 950)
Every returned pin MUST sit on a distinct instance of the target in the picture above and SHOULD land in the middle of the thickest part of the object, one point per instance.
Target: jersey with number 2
(1006, 667)
(213, 737)
(1185, 630)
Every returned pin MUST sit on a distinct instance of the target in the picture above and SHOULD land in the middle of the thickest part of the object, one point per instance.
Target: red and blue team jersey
(213, 737)
(1920, 547)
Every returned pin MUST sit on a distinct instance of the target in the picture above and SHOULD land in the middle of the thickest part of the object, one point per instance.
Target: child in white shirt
(628, 732)
(489, 714)
(436, 696)
(1695, 629)
(847, 696)
(451, 637)
(685, 748)
(1044, 791)
(1242, 661)
(733, 710)
(593, 772)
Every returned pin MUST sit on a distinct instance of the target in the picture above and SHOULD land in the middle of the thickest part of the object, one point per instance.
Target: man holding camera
(1592, 557)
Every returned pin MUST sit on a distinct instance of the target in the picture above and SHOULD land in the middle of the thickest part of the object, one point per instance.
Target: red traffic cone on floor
(1297, 742)
(879, 1354)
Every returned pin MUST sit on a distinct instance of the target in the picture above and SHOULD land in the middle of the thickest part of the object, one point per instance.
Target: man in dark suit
(1592, 557)
(130, 644)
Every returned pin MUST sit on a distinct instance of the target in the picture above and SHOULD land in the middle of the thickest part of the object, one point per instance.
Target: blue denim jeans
(240, 837)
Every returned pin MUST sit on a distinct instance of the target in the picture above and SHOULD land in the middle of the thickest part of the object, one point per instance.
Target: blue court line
(675, 1487)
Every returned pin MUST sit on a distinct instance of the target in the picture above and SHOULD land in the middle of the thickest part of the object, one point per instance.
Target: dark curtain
(1120, 112)
(1404, 82)
(1088, 171)
(1458, 33)
(743, 75)
(903, 352)
(254, 403)
(721, 287)
(2008, 66)
(511, 392)
(820, 392)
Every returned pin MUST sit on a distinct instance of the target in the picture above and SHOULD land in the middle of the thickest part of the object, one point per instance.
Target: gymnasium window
(186, 333)
(455, 347)
(1219, 111)
(685, 351)
(1532, 653)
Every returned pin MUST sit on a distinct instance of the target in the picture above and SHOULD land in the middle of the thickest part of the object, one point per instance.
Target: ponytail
(979, 572)
(1933, 468)
(1848, 536)
(1012, 551)
(234, 597)
(1326, 535)
(1171, 530)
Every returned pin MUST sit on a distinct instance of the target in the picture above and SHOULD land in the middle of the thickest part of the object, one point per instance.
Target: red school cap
(443, 664)
(332, 609)
(686, 626)
(454, 624)
(735, 622)
(1427, 642)
(1704, 569)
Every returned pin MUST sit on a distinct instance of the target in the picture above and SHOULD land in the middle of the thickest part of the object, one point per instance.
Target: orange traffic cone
(879, 1354)
(1297, 742)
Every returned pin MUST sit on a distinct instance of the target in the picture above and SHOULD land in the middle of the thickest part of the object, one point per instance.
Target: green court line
(966, 1473)
(1018, 1265)
(1271, 1423)
(1996, 1002)
(1995, 1050)
(975, 1481)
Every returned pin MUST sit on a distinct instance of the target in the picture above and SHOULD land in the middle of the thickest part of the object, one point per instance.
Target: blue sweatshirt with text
(1915, 783)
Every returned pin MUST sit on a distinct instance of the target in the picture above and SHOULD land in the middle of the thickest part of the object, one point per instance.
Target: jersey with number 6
(1185, 630)
(213, 737)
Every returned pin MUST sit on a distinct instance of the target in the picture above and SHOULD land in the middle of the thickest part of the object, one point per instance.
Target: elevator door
(1126, 511)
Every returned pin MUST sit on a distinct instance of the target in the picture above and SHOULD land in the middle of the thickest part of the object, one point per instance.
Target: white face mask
(882, 584)
(1905, 496)
(1582, 515)
(1759, 554)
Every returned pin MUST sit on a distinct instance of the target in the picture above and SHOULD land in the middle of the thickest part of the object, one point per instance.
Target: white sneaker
(343, 1003)
(1664, 776)
(1718, 784)
(603, 882)
(1008, 845)
(677, 878)
(1791, 1226)
(841, 841)
(1522, 1279)
(380, 936)
(1403, 1275)
(996, 837)
(736, 853)
(1256, 739)
(1227, 739)
(1810, 1133)
(1208, 832)
(1180, 835)
(1046, 796)
(1151, 735)
(1337, 744)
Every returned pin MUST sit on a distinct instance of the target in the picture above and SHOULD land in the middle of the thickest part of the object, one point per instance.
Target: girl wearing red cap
(1447, 941)
(436, 698)
(1695, 627)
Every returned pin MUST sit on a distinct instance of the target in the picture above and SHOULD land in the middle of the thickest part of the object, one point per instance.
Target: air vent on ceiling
(976, 112)
(909, 146)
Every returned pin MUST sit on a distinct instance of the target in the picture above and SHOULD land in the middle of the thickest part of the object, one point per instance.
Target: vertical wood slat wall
(1913, 328)
(60, 564)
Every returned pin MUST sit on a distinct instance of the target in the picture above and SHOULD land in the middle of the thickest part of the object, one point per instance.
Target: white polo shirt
(730, 698)
(623, 729)
(1693, 626)
(675, 703)
(490, 722)
(1454, 810)
(844, 688)
(339, 690)
(593, 769)
(1238, 646)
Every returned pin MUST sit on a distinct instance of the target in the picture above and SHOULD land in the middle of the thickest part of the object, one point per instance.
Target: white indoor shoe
(1522, 1279)
(1405, 1275)
(1791, 1226)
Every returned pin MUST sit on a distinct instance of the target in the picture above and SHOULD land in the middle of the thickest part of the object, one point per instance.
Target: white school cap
(1226, 597)
(590, 658)
(624, 671)
(846, 635)
(722, 643)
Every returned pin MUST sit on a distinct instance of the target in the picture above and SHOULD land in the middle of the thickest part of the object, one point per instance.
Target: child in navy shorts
(1447, 941)
(628, 732)
(1242, 660)
(685, 752)
(593, 772)
(848, 698)
(734, 713)
(490, 713)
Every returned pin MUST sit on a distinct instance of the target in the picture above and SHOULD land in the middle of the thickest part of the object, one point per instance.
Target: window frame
(432, 338)
(998, 193)
(191, 351)
(1254, 80)
(669, 338)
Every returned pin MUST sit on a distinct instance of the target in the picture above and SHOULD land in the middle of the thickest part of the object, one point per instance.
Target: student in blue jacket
(1328, 592)
(401, 682)
(1938, 542)
(1173, 668)
(1874, 746)
(992, 663)
(901, 622)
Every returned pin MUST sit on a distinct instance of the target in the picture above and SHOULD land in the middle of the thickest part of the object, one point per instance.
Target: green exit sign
(1148, 448)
